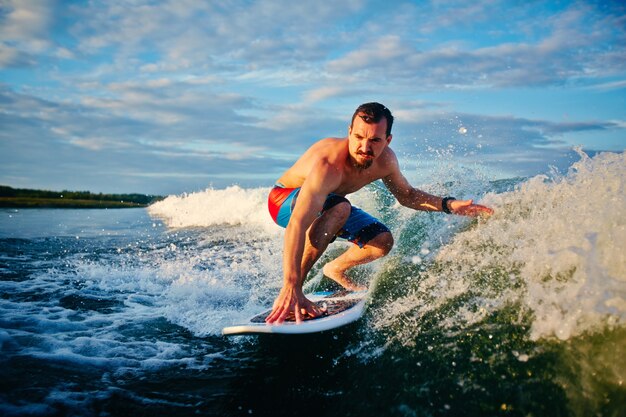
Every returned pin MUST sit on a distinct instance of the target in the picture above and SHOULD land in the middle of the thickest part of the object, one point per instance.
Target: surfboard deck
(342, 307)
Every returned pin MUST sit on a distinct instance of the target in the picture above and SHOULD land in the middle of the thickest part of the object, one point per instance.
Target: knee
(387, 242)
(383, 243)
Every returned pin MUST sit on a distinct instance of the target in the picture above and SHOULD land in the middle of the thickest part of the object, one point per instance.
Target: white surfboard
(342, 307)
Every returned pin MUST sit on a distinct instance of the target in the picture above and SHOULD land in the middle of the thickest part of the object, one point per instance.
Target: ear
(389, 139)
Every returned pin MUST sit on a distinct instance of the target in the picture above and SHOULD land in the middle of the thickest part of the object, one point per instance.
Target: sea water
(119, 312)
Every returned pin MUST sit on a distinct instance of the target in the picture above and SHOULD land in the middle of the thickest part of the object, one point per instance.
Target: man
(309, 200)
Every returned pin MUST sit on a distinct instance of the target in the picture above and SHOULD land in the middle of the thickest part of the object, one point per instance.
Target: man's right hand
(291, 299)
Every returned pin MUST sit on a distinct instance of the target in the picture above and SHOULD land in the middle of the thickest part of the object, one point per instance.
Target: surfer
(309, 201)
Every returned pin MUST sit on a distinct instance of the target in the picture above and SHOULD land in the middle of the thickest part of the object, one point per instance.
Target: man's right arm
(321, 181)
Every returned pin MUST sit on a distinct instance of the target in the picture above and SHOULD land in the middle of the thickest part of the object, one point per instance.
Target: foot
(340, 278)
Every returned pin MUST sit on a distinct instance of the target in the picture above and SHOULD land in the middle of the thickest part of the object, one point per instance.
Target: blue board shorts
(359, 229)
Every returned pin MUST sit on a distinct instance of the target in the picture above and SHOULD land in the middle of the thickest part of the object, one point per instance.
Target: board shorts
(359, 229)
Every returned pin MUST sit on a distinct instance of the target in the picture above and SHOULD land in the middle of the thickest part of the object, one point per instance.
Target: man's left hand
(468, 208)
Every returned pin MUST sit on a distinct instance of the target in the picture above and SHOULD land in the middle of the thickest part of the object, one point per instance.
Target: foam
(233, 284)
(78, 330)
(555, 245)
(236, 269)
(231, 206)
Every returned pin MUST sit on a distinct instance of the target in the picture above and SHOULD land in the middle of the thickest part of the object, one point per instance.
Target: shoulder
(323, 178)
(324, 167)
(325, 150)
(326, 143)
(321, 148)
(389, 154)
(324, 164)
(389, 161)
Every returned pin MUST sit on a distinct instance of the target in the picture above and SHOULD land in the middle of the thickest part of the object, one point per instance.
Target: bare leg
(320, 234)
(376, 248)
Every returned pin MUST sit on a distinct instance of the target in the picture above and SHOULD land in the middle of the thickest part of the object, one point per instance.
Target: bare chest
(352, 183)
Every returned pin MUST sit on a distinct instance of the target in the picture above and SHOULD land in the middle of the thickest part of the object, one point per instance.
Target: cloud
(122, 137)
(25, 20)
(611, 85)
(373, 56)
(120, 147)
(25, 39)
(206, 91)
(553, 51)
(458, 13)
(333, 43)
(187, 35)
(11, 57)
(510, 146)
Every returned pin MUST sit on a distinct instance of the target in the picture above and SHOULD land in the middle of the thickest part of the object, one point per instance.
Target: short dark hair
(372, 113)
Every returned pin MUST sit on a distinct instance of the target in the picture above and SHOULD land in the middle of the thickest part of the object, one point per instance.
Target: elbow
(405, 201)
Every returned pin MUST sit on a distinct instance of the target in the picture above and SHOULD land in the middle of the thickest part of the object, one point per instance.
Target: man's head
(369, 134)
(373, 113)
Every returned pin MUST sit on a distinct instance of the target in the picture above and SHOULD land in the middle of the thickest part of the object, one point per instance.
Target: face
(366, 141)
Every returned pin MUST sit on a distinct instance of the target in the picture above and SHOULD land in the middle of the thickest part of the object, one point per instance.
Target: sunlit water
(119, 312)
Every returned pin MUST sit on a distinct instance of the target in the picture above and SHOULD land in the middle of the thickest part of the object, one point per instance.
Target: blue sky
(174, 96)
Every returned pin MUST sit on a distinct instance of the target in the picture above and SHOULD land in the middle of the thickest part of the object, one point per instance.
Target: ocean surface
(119, 312)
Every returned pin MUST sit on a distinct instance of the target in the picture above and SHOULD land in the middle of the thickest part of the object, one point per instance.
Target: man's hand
(467, 208)
(292, 300)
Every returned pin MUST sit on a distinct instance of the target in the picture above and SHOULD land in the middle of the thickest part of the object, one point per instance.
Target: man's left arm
(416, 199)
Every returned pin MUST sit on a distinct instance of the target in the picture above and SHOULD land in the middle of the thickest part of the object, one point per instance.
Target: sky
(174, 96)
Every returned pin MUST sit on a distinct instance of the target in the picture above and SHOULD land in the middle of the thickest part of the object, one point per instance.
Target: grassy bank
(28, 198)
(23, 202)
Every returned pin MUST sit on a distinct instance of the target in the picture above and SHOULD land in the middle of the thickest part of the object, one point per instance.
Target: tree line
(143, 199)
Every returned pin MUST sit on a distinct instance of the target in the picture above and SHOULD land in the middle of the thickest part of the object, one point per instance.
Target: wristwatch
(444, 204)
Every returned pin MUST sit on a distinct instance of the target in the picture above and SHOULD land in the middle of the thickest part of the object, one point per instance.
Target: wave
(555, 248)
(231, 206)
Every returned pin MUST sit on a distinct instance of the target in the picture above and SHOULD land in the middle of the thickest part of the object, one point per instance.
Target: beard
(365, 164)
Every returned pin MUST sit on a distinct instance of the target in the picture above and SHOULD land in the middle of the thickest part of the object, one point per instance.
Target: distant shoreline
(8, 202)
(29, 198)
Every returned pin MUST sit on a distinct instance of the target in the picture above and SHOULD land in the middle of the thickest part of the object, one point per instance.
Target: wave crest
(231, 206)
(555, 248)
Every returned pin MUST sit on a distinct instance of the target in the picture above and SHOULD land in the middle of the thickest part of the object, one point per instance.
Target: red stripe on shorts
(276, 199)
